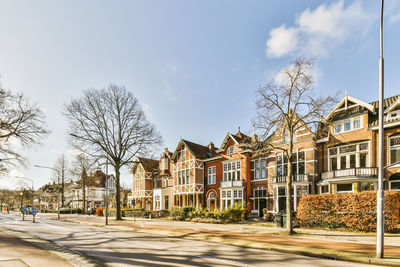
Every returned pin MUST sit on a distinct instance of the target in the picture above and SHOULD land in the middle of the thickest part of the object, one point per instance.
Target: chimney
(254, 138)
(211, 147)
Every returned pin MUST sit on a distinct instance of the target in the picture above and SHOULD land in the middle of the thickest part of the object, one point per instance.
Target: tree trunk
(289, 200)
(84, 197)
(117, 193)
(62, 187)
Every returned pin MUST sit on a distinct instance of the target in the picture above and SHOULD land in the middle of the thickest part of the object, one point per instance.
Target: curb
(71, 256)
(316, 253)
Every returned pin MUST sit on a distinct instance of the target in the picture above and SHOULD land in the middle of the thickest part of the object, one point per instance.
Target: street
(118, 247)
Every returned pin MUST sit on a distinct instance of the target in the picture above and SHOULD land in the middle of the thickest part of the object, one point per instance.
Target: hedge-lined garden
(234, 215)
(353, 211)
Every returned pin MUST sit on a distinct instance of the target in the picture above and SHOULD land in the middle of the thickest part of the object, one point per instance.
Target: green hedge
(234, 215)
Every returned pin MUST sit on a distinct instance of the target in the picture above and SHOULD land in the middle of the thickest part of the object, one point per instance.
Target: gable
(349, 102)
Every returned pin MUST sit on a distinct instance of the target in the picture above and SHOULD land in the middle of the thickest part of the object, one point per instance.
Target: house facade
(144, 171)
(163, 183)
(188, 173)
(348, 147)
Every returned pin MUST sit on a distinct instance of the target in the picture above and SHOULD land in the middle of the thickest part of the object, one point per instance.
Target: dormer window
(231, 150)
(348, 125)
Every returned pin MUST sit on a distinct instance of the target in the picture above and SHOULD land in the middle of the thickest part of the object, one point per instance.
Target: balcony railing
(296, 178)
(231, 183)
(352, 172)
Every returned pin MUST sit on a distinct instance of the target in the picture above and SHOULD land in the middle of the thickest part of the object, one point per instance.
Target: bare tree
(109, 123)
(21, 122)
(290, 104)
(61, 166)
(81, 166)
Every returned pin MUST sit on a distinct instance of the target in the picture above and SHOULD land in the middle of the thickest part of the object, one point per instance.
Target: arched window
(212, 195)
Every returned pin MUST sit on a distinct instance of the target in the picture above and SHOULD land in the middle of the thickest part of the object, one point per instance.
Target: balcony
(296, 178)
(367, 172)
(232, 183)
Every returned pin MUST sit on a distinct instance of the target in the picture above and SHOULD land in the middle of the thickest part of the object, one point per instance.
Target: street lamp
(380, 197)
(58, 174)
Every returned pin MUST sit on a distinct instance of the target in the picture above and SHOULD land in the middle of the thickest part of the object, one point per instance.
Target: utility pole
(380, 227)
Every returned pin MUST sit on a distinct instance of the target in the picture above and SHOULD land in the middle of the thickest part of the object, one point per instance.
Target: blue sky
(193, 65)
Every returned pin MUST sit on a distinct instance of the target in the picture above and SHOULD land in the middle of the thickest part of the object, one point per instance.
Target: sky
(194, 65)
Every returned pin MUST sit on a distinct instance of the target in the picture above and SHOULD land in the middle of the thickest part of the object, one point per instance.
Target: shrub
(353, 211)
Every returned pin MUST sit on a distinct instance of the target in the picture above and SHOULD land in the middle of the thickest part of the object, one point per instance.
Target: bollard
(33, 220)
(23, 216)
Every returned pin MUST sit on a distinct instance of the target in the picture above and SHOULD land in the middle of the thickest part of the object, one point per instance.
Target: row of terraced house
(247, 172)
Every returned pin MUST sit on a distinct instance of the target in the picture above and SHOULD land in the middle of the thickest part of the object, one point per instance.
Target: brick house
(163, 183)
(188, 173)
(348, 146)
(269, 169)
(144, 171)
(227, 174)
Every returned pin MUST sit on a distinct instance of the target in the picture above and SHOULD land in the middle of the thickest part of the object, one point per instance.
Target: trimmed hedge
(352, 211)
(130, 213)
(234, 215)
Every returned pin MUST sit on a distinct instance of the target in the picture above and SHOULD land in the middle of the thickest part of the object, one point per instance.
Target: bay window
(348, 156)
(232, 171)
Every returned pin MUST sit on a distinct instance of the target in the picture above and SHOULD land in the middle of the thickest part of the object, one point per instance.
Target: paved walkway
(352, 246)
(15, 252)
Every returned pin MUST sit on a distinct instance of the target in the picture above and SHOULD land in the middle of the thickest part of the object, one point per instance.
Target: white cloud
(320, 30)
(169, 92)
(147, 112)
(282, 41)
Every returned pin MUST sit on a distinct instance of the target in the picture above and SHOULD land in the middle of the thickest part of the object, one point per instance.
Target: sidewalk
(357, 247)
(16, 252)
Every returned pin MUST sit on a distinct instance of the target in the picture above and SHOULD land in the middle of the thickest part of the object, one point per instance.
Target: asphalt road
(117, 247)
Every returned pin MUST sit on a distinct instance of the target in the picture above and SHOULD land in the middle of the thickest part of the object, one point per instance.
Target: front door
(212, 204)
(262, 206)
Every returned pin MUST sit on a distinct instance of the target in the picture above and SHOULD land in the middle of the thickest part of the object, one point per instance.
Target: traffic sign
(34, 211)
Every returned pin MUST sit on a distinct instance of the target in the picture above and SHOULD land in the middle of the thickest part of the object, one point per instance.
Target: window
(212, 175)
(394, 149)
(344, 188)
(367, 186)
(281, 165)
(259, 171)
(347, 125)
(325, 189)
(348, 156)
(165, 182)
(260, 192)
(231, 150)
(164, 164)
(231, 198)
(298, 164)
(232, 171)
(166, 200)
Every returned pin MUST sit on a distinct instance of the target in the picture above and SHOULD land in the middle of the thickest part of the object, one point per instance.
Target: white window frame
(395, 147)
(232, 167)
(357, 153)
(212, 175)
(344, 192)
(342, 123)
(231, 150)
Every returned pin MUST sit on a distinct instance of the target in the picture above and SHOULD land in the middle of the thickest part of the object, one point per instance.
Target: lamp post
(380, 227)
(58, 175)
(106, 187)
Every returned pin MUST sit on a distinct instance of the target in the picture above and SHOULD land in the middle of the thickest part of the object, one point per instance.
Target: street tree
(109, 123)
(22, 123)
(61, 166)
(289, 102)
(80, 167)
